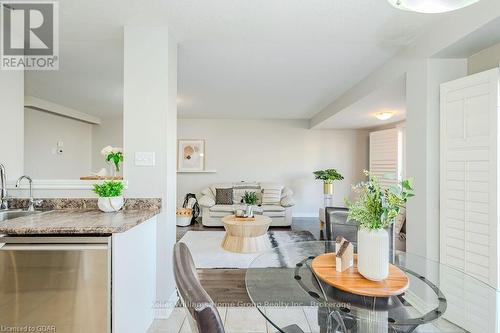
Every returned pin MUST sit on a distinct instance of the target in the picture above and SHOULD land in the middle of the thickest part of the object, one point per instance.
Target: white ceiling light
(431, 6)
(385, 115)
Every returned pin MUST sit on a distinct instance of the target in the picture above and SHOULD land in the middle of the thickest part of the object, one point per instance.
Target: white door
(468, 198)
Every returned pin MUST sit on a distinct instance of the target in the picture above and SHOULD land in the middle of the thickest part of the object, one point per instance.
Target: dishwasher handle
(51, 247)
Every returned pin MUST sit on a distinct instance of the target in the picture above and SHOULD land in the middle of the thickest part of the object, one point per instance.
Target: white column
(150, 120)
(422, 149)
(12, 122)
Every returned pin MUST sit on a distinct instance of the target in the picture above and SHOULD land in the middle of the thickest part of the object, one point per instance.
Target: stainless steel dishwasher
(55, 284)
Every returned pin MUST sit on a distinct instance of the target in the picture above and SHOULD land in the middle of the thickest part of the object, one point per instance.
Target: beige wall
(284, 151)
(486, 59)
(42, 132)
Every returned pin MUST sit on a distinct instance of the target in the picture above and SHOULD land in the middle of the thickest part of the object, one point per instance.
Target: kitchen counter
(77, 222)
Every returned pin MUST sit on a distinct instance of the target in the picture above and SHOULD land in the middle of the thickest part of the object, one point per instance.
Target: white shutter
(386, 156)
(469, 144)
(468, 198)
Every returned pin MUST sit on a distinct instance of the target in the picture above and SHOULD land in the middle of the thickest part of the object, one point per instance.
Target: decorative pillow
(287, 201)
(223, 196)
(214, 187)
(271, 195)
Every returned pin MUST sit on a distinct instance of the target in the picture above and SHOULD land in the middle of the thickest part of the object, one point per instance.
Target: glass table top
(439, 298)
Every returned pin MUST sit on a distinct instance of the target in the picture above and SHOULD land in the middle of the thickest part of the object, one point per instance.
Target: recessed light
(431, 6)
(385, 115)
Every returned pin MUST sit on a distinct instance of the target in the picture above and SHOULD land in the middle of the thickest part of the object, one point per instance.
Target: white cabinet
(469, 175)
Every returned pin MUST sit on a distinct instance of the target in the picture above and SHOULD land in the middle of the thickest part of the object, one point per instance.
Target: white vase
(373, 254)
(111, 204)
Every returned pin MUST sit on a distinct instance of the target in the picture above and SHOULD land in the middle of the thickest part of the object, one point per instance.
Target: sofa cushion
(231, 208)
(223, 196)
(272, 208)
(223, 208)
(274, 214)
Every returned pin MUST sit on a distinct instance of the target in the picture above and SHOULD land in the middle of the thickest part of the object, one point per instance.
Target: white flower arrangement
(113, 154)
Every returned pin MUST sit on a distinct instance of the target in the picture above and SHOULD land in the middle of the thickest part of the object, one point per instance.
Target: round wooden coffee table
(246, 236)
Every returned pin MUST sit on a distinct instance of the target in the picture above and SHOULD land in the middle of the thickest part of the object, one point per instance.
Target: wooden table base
(246, 236)
(245, 244)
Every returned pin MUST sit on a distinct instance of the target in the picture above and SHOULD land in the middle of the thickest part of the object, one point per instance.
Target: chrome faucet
(4, 204)
(31, 203)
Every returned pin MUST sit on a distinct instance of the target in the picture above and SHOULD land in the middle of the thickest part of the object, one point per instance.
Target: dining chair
(336, 224)
(203, 315)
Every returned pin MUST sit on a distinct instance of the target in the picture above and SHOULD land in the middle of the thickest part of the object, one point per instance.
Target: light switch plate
(145, 159)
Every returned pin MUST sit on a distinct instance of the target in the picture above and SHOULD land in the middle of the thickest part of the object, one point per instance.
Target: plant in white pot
(375, 210)
(110, 196)
(250, 199)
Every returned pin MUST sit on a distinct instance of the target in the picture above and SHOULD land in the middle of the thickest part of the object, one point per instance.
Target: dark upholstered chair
(202, 313)
(336, 224)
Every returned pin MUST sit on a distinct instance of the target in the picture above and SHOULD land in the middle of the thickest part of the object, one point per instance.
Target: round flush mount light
(385, 115)
(431, 6)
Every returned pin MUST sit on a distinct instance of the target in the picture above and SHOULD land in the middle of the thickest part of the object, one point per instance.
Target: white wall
(108, 133)
(12, 122)
(284, 151)
(149, 125)
(422, 148)
(486, 59)
(42, 132)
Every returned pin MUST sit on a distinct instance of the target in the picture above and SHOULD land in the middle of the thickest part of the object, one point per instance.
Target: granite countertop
(76, 222)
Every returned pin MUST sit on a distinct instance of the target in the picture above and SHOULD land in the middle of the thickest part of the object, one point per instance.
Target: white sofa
(280, 212)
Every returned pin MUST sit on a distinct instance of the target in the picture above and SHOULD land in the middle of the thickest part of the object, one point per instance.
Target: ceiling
(237, 59)
(361, 114)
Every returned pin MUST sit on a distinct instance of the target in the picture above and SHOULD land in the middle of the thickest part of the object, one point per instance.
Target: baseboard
(166, 310)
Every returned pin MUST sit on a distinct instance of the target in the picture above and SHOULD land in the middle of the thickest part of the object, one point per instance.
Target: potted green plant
(375, 210)
(250, 199)
(328, 176)
(110, 196)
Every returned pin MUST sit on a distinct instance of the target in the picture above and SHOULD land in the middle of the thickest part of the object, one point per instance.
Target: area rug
(205, 246)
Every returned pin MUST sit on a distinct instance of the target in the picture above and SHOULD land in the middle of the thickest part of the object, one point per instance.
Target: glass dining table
(439, 298)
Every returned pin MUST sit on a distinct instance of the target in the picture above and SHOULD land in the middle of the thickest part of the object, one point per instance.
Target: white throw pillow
(271, 195)
(239, 190)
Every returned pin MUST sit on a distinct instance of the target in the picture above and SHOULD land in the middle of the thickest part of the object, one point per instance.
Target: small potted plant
(114, 156)
(110, 196)
(375, 210)
(328, 176)
(250, 199)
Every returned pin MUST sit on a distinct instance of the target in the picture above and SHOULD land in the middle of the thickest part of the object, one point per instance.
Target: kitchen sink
(12, 214)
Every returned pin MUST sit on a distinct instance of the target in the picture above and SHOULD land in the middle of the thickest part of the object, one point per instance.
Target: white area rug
(205, 246)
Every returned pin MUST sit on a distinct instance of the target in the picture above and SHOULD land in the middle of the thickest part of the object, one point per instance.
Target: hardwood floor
(227, 286)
